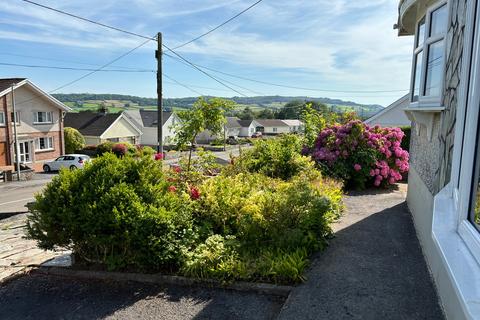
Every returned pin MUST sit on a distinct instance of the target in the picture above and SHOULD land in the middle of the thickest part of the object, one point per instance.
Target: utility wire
(72, 68)
(91, 72)
(183, 85)
(198, 67)
(219, 26)
(286, 86)
(202, 71)
(88, 20)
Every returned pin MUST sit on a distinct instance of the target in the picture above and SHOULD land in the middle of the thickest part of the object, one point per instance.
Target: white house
(146, 120)
(296, 126)
(232, 128)
(249, 127)
(98, 127)
(393, 115)
(443, 181)
(272, 126)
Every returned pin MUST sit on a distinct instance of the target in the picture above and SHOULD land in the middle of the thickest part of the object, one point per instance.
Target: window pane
(434, 73)
(438, 22)
(418, 73)
(2, 118)
(475, 201)
(421, 32)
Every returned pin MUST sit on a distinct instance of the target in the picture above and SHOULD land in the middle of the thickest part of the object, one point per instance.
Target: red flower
(177, 169)
(158, 156)
(172, 189)
(194, 193)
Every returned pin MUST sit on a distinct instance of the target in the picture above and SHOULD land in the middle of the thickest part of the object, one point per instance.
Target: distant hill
(118, 102)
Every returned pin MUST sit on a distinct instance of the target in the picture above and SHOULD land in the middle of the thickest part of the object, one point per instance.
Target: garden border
(261, 288)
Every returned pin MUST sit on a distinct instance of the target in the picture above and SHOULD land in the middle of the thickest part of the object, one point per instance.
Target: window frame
(427, 101)
(50, 144)
(3, 122)
(12, 120)
(47, 115)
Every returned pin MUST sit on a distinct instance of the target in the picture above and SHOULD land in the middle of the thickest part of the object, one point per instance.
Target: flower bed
(128, 213)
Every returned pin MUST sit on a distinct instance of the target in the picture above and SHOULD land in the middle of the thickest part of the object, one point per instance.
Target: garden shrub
(115, 212)
(74, 140)
(276, 158)
(361, 155)
(104, 147)
(119, 149)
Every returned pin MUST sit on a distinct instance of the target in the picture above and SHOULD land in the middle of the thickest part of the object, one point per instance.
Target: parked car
(71, 161)
(257, 134)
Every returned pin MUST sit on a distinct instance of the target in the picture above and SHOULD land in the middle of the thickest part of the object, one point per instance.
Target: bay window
(429, 57)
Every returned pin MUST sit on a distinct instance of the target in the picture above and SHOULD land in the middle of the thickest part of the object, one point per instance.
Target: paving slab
(373, 268)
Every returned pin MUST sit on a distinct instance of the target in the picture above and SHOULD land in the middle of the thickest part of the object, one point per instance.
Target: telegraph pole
(158, 55)
(17, 152)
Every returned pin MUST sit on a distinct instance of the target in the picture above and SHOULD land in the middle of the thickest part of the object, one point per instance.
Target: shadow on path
(373, 268)
(47, 297)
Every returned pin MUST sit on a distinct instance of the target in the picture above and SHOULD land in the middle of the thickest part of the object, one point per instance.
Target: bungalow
(248, 127)
(443, 182)
(272, 126)
(393, 115)
(296, 126)
(147, 121)
(232, 128)
(98, 127)
(39, 124)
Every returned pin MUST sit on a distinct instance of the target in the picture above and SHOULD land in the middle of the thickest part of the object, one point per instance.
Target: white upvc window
(429, 57)
(42, 117)
(2, 118)
(44, 144)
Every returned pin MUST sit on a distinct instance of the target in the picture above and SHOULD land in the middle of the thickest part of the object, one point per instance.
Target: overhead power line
(91, 21)
(181, 84)
(72, 68)
(219, 26)
(287, 86)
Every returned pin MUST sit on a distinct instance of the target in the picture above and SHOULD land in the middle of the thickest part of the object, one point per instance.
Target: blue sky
(345, 45)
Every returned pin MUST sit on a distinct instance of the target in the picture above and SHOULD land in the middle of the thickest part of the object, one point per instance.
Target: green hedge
(130, 214)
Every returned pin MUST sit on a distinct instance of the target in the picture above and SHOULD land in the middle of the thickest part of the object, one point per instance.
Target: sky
(337, 45)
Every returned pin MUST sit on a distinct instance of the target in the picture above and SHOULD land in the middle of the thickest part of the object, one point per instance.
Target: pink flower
(158, 156)
(357, 167)
(194, 193)
(172, 189)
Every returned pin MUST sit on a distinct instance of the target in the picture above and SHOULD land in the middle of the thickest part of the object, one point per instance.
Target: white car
(71, 161)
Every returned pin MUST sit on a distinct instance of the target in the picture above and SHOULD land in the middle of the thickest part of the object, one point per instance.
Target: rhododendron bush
(361, 155)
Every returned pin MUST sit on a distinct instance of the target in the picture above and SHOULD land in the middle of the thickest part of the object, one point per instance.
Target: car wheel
(46, 168)
(72, 167)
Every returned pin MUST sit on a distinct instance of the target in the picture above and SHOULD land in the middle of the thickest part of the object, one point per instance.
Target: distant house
(296, 126)
(98, 127)
(39, 124)
(393, 115)
(272, 126)
(248, 127)
(147, 121)
(232, 128)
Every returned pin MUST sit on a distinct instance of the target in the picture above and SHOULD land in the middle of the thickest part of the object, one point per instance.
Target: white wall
(284, 129)
(26, 103)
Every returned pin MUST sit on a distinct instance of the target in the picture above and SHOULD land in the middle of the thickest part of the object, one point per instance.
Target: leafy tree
(314, 122)
(266, 114)
(294, 109)
(247, 114)
(204, 115)
(73, 140)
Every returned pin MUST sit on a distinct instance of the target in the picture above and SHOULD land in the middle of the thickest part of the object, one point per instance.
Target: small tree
(73, 140)
(314, 122)
(204, 115)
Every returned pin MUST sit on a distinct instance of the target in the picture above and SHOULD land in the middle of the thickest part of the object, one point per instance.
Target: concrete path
(373, 269)
(18, 254)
